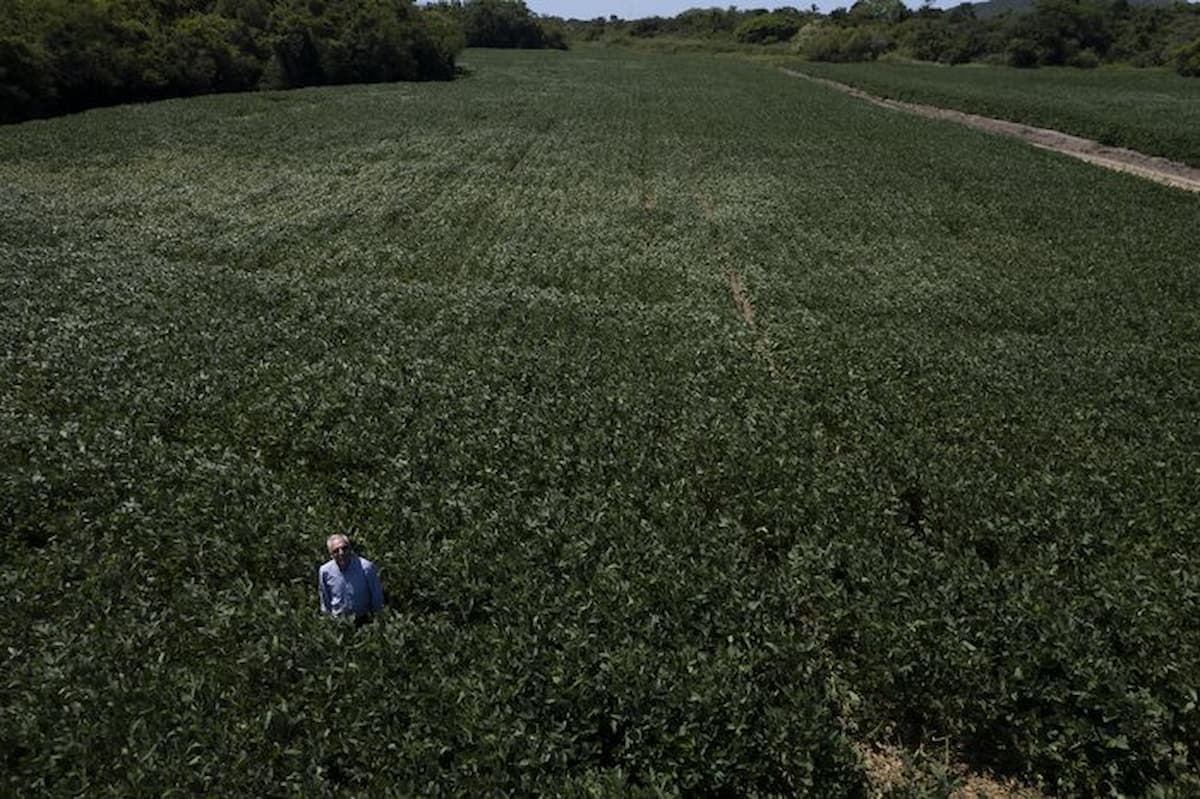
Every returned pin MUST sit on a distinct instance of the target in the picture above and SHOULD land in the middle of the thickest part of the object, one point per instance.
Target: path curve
(1151, 167)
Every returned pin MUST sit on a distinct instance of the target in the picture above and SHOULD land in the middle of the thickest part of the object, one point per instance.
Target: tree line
(59, 56)
(1080, 33)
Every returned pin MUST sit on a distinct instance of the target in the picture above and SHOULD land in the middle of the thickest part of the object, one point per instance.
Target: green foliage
(203, 54)
(698, 29)
(1021, 53)
(1084, 59)
(1186, 59)
(878, 11)
(819, 41)
(929, 39)
(1078, 33)
(1061, 29)
(1146, 38)
(925, 775)
(25, 84)
(352, 41)
(59, 57)
(767, 29)
(356, 41)
(706, 22)
(507, 23)
(939, 491)
(440, 43)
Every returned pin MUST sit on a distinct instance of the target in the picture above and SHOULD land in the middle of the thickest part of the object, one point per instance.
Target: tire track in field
(745, 309)
(738, 291)
(1151, 167)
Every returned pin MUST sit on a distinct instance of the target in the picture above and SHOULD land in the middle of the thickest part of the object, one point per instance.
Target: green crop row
(704, 423)
(1149, 110)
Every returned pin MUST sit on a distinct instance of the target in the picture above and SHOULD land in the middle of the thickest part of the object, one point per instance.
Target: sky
(636, 9)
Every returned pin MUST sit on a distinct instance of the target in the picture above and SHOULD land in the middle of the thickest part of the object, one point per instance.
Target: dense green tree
(706, 22)
(930, 35)
(1021, 53)
(443, 38)
(58, 56)
(349, 41)
(205, 54)
(25, 84)
(506, 23)
(1061, 29)
(885, 11)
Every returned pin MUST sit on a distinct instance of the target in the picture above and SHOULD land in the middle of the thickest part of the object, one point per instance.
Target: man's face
(339, 550)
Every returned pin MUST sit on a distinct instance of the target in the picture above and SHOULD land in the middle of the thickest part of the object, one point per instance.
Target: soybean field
(1153, 111)
(709, 428)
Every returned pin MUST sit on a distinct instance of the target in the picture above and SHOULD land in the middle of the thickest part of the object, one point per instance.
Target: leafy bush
(1060, 29)
(353, 41)
(1060, 32)
(203, 56)
(878, 11)
(26, 87)
(933, 40)
(1186, 59)
(507, 23)
(824, 42)
(767, 29)
(439, 44)
(1022, 53)
(1084, 59)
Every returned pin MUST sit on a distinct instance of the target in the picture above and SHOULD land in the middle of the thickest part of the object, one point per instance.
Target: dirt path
(1160, 170)
(745, 308)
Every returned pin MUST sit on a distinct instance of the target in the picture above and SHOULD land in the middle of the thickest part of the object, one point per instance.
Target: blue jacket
(353, 592)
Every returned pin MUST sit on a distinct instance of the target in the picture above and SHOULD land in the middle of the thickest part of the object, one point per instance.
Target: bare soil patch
(888, 772)
(1160, 170)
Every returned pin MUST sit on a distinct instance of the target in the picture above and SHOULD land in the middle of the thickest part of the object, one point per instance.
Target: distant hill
(993, 8)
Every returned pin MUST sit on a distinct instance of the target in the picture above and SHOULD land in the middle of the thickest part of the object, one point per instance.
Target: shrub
(930, 40)
(767, 29)
(204, 58)
(506, 23)
(1084, 59)
(1186, 59)
(353, 41)
(25, 85)
(441, 44)
(1021, 53)
(822, 42)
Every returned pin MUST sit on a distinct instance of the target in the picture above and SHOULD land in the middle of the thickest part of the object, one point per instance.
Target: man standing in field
(347, 584)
